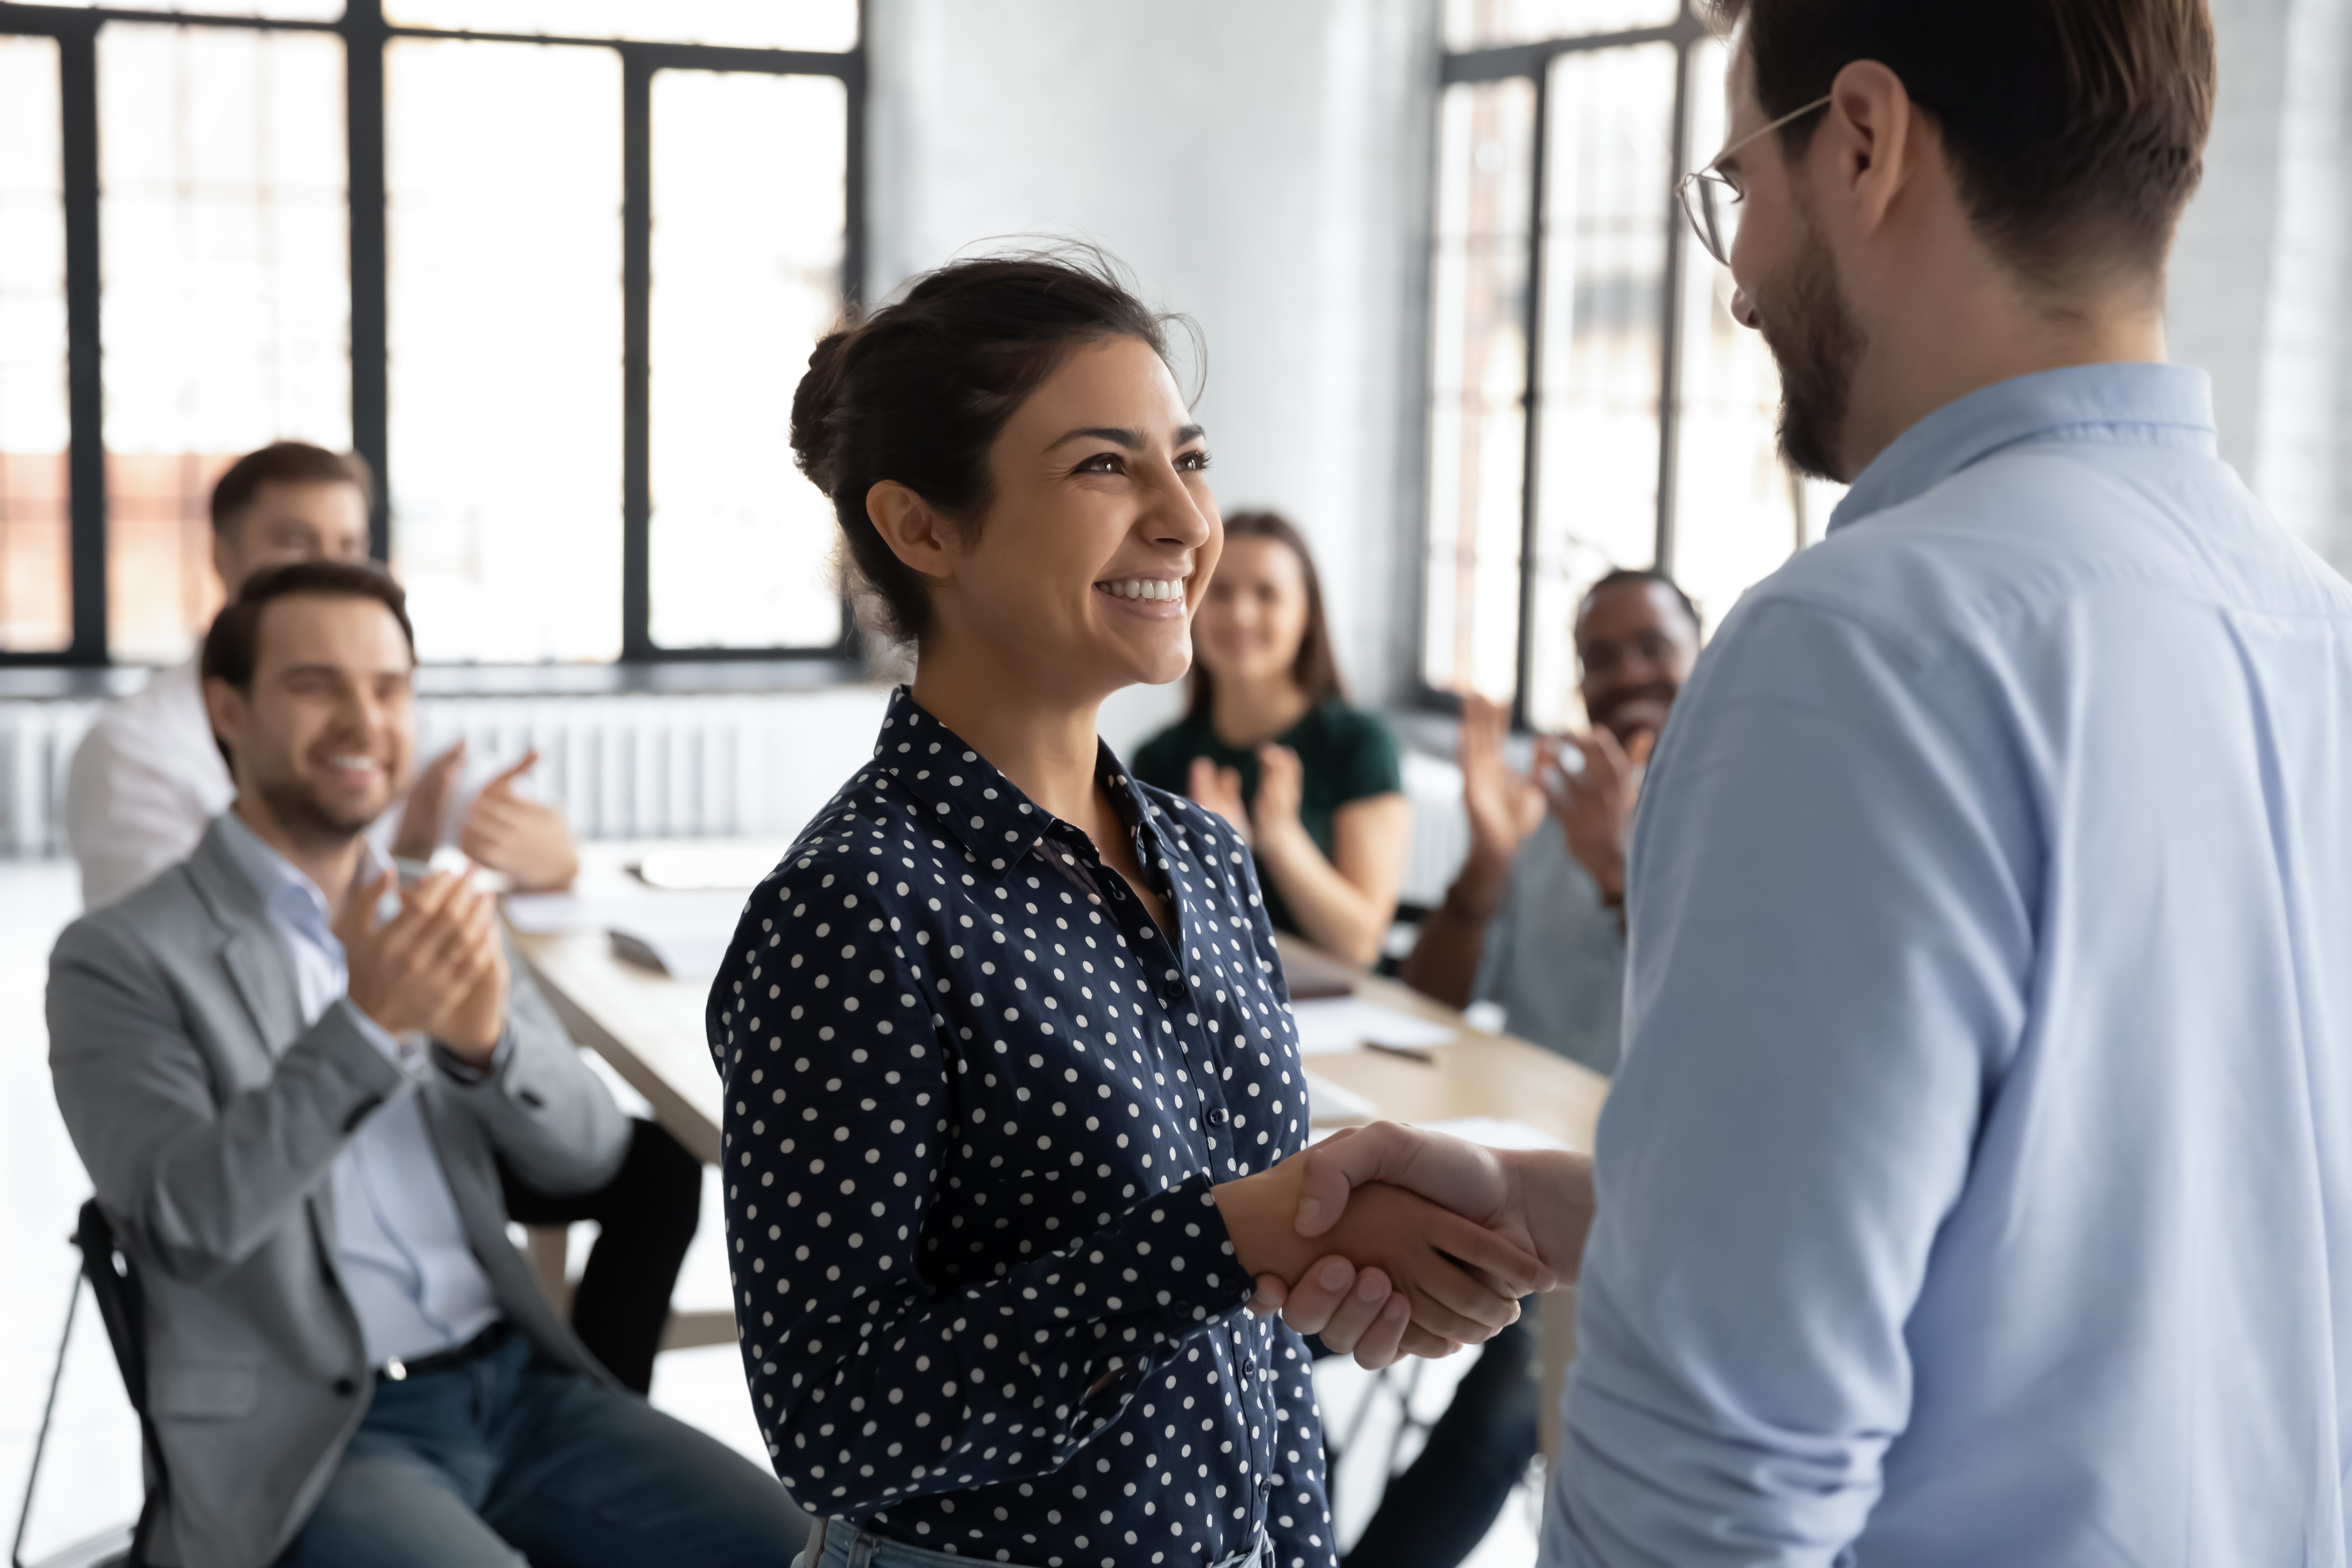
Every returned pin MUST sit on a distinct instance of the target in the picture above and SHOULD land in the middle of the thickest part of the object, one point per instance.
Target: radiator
(666, 766)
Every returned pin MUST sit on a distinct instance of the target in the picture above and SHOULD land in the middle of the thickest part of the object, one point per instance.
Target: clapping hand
(526, 840)
(437, 966)
(1595, 803)
(1504, 805)
(1220, 790)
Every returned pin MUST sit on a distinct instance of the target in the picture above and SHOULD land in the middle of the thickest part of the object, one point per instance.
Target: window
(551, 265)
(1593, 406)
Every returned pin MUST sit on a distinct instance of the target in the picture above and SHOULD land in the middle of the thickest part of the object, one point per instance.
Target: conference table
(1417, 1059)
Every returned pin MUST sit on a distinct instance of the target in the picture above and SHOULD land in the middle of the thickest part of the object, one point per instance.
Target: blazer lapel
(253, 954)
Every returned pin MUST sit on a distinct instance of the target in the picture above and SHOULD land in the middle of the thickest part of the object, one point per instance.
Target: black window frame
(1532, 62)
(365, 35)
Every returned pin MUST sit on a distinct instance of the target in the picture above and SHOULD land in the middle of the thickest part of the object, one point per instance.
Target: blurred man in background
(1535, 922)
(149, 778)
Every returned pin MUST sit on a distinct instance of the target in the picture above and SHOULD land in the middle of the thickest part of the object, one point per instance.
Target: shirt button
(346, 1387)
(1217, 1116)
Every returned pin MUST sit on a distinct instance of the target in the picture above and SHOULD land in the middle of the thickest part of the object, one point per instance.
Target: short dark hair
(2075, 127)
(1317, 668)
(1626, 576)
(232, 648)
(288, 462)
(918, 390)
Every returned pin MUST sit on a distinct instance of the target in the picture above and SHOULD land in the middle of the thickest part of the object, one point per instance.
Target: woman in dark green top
(1271, 744)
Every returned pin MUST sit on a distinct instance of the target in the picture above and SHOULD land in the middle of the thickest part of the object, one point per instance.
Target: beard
(306, 817)
(1816, 345)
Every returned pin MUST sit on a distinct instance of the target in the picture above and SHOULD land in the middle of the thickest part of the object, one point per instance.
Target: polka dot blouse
(975, 1103)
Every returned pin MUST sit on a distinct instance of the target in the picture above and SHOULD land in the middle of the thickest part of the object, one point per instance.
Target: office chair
(115, 1288)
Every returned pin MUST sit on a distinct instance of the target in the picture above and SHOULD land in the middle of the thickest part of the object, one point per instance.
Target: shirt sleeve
(128, 817)
(870, 1384)
(1831, 940)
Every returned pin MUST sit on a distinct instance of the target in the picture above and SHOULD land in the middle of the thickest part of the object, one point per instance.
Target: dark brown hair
(2075, 127)
(916, 392)
(1316, 668)
(288, 462)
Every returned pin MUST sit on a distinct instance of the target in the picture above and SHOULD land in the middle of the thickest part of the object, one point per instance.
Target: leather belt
(397, 1370)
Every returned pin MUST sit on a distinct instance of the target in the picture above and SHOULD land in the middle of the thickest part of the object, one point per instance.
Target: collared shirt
(400, 1245)
(1555, 955)
(975, 1104)
(1977, 1187)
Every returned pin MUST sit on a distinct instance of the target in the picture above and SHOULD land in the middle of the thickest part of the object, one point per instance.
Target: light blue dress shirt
(400, 1244)
(1977, 1187)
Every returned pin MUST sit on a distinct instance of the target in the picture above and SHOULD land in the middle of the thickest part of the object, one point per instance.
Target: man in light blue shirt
(1978, 1185)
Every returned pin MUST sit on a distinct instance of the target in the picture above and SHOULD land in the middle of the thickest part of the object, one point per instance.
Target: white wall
(1262, 167)
(2262, 279)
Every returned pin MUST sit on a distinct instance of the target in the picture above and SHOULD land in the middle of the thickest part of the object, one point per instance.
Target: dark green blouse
(1344, 753)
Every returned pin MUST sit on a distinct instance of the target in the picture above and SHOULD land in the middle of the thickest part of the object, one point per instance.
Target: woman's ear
(913, 529)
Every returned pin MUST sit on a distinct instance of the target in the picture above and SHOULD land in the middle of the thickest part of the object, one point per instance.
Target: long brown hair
(1315, 669)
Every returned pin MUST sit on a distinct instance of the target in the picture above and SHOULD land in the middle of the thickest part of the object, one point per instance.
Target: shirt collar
(285, 890)
(961, 796)
(2115, 404)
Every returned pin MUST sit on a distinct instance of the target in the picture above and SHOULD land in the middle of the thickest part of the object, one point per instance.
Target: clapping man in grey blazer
(292, 1080)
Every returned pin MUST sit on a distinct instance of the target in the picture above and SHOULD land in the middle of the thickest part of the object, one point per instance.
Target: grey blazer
(210, 1119)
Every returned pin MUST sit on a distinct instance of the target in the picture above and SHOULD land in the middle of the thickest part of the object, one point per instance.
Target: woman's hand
(1463, 1281)
(1220, 790)
(1281, 786)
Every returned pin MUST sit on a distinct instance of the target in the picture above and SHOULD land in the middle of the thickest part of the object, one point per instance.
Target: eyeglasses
(1712, 202)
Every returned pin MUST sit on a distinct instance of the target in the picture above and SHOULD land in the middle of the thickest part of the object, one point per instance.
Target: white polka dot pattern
(975, 1103)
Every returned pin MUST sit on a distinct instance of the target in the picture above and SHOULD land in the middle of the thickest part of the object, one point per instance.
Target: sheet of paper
(697, 867)
(1348, 1023)
(1327, 1102)
(1494, 1131)
(547, 912)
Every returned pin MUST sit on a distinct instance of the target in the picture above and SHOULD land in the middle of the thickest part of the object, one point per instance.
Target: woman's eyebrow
(1133, 440)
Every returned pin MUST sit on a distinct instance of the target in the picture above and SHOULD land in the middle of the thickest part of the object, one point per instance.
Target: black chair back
(120, 1306)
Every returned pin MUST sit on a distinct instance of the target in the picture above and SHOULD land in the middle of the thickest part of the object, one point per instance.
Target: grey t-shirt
(1555, 956)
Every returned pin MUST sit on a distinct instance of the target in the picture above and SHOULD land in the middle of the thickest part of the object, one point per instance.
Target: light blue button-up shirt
(1977, 1188)
(400, 1244)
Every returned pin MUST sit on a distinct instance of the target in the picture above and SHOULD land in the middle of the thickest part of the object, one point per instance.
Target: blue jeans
(498, 1461)
(845, 1545)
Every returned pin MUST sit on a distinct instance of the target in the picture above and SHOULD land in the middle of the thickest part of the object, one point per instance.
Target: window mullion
(636, 355)
(364, 37)
(1531, 399)
(1670, 328)
(85, 390)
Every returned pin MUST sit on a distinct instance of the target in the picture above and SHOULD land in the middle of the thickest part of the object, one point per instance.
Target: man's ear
(913, 528)
(1872, 128)
(227, 710)
(225, 562)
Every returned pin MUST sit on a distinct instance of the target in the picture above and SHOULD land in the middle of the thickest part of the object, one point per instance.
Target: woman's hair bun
(918, 390)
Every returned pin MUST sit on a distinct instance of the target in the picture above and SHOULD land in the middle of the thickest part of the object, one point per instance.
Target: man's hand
(412, 973)
(1540, 1199)
(1504, 807)
(526, 840)
(476, 1017)
(1595, 803)
(1461, 1280)
(428, 805)
(1220, 790)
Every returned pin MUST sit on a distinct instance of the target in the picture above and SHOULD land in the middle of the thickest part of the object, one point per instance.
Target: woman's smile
(1153, 598)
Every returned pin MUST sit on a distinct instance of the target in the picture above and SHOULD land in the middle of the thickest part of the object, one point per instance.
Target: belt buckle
(394, 1369)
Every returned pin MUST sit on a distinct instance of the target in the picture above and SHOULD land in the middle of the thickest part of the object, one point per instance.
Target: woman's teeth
(1145, 588)
(352, 764)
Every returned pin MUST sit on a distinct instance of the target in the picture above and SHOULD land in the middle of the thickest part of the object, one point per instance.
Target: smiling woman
(1009, 1058)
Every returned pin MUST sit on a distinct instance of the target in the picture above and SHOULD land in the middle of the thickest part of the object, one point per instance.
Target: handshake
(1389, 1241)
